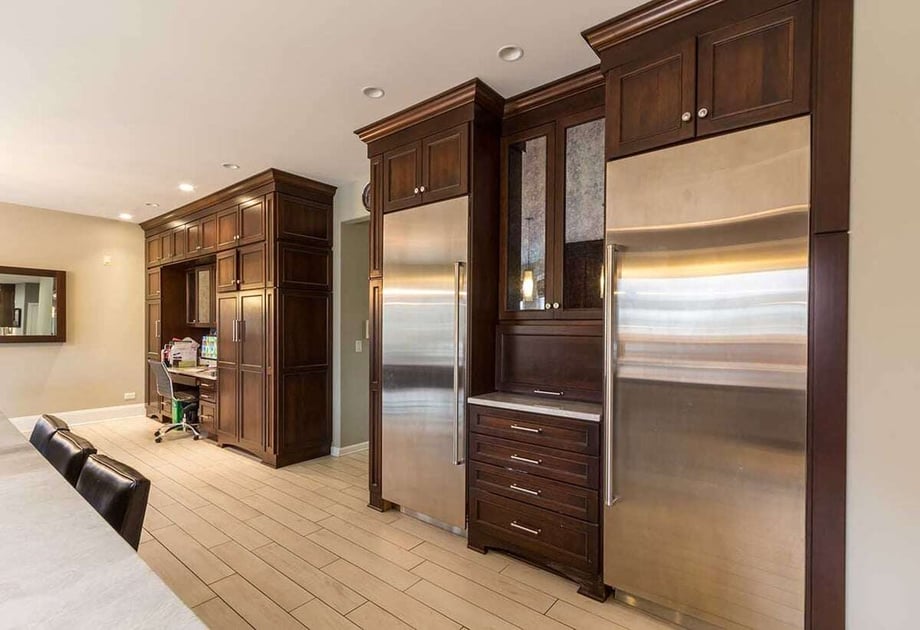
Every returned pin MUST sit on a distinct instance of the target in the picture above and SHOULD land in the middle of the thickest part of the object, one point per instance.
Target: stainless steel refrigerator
(424, 360)
(706, 332)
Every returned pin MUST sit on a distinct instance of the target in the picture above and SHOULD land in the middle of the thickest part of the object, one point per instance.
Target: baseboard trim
(348, 450)
(83, 416)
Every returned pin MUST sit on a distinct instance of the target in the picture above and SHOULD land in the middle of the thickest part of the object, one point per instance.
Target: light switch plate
(359, 345)
(130, 395)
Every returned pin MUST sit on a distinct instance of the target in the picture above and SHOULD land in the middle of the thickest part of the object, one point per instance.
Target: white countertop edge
(535, 407)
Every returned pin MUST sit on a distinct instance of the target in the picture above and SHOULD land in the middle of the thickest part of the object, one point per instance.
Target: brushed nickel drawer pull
(535, 493)
(516, 525)
(527, 429)
(535, 462)
(546, 392)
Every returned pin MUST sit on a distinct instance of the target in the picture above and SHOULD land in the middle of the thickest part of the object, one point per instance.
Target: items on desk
(184, 353)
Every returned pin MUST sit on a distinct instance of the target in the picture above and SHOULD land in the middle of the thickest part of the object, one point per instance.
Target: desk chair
(187, 400)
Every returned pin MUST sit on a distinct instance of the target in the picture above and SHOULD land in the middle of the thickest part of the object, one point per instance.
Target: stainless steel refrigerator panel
(706, 377)
(424, 332)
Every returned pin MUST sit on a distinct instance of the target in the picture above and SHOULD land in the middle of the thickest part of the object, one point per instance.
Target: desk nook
(249, 269)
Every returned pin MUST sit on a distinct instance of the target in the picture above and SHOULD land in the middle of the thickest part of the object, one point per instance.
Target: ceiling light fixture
(184, 187)
(152, 204)
(373, 92)
(124, 216)
(510, 53)
(231, 166)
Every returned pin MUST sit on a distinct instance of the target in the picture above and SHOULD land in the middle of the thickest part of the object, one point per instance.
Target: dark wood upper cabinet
(193, 238)
(200, 298)
(251, 266)
(154, 254)
(167, 246)
(401, 176)
(445, 165)
(153, 284)
(252, 221)
(755, 71)
(228, 228)
(180, 242)
(209, 234)
(650, 101)
(226, 272)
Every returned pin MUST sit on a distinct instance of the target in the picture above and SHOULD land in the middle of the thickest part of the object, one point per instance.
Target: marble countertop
(63, 565)
(537, 404)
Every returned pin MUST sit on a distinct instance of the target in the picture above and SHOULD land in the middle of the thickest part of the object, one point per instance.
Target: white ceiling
(105, 105)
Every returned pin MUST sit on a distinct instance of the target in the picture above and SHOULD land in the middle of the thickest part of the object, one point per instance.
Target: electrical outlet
(130, 395)
(359, 345)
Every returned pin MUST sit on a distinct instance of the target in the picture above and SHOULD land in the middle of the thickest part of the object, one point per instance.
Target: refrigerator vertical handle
(610, 355)
(459, 337)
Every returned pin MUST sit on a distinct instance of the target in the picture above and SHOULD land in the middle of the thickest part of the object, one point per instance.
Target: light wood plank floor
(247, 546)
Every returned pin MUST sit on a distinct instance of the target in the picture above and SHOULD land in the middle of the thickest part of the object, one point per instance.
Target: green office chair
(185, 402)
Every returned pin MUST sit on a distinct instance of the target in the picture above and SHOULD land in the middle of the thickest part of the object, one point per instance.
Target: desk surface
(63, 565)
(202, 373)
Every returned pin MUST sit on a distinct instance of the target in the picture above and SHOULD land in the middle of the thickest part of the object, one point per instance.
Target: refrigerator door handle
(459, 336)
(610, 355)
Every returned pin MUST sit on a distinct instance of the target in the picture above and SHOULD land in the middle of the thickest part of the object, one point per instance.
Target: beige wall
(103, 356)
(883, 496)
(354, 366)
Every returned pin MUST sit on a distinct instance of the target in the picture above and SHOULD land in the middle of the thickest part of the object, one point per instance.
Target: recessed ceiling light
(510, 53)
(373, 92)
(184, 187)
(152, 204)
(124, 216)
(231, 166)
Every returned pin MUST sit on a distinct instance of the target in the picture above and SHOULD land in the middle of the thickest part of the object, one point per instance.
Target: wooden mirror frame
(60, 284)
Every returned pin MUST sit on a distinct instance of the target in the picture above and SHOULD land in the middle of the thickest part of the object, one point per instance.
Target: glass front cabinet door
(553, 220)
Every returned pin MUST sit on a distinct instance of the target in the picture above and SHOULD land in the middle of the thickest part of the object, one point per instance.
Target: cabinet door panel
(252, 266)
(153, 284)
(227, 314)
(579, 236)
(252, 408)
(445, 164)
(153, 327)
(209, 234)
(252, 221)
(153, 250)
(527, 207)
(226, 271)
(647, 101)
(755, 71)
(251, 330)
(180, 242)
(375, 246)
(167, 246)
(401, 177)
(228, 228)
(227, 399)
(193, 237)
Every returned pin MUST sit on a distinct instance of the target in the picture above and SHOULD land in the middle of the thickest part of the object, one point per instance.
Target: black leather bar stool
(118, 492)
(67, 452)
(46, 426)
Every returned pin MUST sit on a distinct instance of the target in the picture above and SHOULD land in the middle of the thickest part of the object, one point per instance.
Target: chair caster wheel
(157, 434)
(195, 437)
(158, 440)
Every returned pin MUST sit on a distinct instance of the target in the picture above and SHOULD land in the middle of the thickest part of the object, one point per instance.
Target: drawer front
(579, 436)
(580, 503)
(574, 468)
(207, 414)
(540, 533)
(207, 394)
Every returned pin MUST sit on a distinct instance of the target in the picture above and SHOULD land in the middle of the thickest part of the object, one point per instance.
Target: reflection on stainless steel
(424, 332)
(707, 364)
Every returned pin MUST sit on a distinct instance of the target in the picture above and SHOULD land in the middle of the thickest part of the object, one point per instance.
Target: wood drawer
(574, 468)
(580, 503)
(540, 534)
(207, 392)
(207, 416)
(579, 436)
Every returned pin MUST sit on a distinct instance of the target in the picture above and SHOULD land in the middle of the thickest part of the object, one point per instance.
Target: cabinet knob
(556, 305)
(416, 190)
(421, 189)
(687, 117)
(197, 248)
(703, 112)
(237, 237)
(548, 306)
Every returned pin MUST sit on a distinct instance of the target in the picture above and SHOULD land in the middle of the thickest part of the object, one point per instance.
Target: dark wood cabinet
(744, 72)
(651, 101)
(534, 483)
(375, 244)
(428, 170)
(273, 395)
(401, 177)
(754, 71)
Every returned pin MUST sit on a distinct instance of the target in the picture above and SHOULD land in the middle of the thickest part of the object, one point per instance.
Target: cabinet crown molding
(641, 20)
(557, 90)
(473, 91)
(269, 176)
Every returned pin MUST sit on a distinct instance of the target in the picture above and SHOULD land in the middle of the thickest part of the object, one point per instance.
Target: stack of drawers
(534, 485)
(207, 407)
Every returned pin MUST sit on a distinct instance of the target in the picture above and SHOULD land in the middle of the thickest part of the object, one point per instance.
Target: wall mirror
(32, 305)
